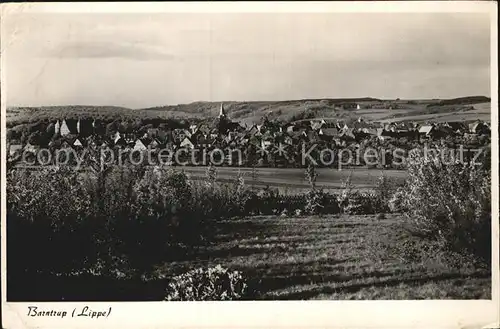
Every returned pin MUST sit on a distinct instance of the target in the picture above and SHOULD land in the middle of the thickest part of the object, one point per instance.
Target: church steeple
(222, 113)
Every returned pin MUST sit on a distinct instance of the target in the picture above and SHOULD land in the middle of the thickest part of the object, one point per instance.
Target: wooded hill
(251, 112)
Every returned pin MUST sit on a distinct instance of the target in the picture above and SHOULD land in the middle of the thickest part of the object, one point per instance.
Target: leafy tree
(311, 175)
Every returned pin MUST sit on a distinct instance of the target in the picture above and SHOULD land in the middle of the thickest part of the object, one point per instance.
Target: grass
(334, 257)
(299, 258)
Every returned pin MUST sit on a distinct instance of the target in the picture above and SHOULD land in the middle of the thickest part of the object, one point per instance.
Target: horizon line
(255, 101)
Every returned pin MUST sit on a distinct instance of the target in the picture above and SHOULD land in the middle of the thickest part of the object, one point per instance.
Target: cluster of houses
(223, 133)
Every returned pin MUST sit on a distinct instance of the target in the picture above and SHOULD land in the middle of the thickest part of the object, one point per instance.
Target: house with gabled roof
(316, 125)
(120, 142)
(232, 135)
(139, 145)
(15, 149)
(204, 129)
(391, 126)
(479, 128)
(290, 128)
(187, 143)
(370, 131)
(458, 128)
(193, 128)
(69, 126)
(342, 126)
(253, 130)
(384, 134)
(117, 136)
(155, 143)
(67, 144)
(77, 143)
(426, 130)
(432, 130)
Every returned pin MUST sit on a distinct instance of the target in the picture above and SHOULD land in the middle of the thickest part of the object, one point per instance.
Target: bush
(318, 202)
(160, 221)
(384, 191)
(397, 201)
(121, 223)
(354, 202)
(451, 203)
(346, 194)
(207, 284)
(361, 204)
(314, 202)
(50, 209)
(267, 201)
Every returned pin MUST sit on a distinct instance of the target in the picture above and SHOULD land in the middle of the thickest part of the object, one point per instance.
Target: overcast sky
(140, 60)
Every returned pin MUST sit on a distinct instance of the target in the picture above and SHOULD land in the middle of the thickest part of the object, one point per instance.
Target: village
(255, 156)
(268, 144)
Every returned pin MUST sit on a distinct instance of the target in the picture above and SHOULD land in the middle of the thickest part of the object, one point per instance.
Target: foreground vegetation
(132, 233)
(336, 257)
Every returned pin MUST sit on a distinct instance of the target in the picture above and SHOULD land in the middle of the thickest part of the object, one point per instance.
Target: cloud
(123, 59)
(98, 49)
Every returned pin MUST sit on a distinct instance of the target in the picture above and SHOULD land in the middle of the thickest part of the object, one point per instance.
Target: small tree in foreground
(450, 201)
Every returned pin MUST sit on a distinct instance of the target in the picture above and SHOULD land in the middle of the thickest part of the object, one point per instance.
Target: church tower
(222, 113)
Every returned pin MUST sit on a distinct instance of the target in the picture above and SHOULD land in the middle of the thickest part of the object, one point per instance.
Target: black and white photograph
(248, 155)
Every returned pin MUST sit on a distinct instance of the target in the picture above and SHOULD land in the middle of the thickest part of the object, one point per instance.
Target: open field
(347, 257)
(378, 114)
(481, 111)
(292, 180)
(481, 108)
(457, 116)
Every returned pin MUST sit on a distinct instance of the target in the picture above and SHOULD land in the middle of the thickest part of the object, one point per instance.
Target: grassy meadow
(335, 257)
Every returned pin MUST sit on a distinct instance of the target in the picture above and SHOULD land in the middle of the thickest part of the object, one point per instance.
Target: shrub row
(123, 221)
